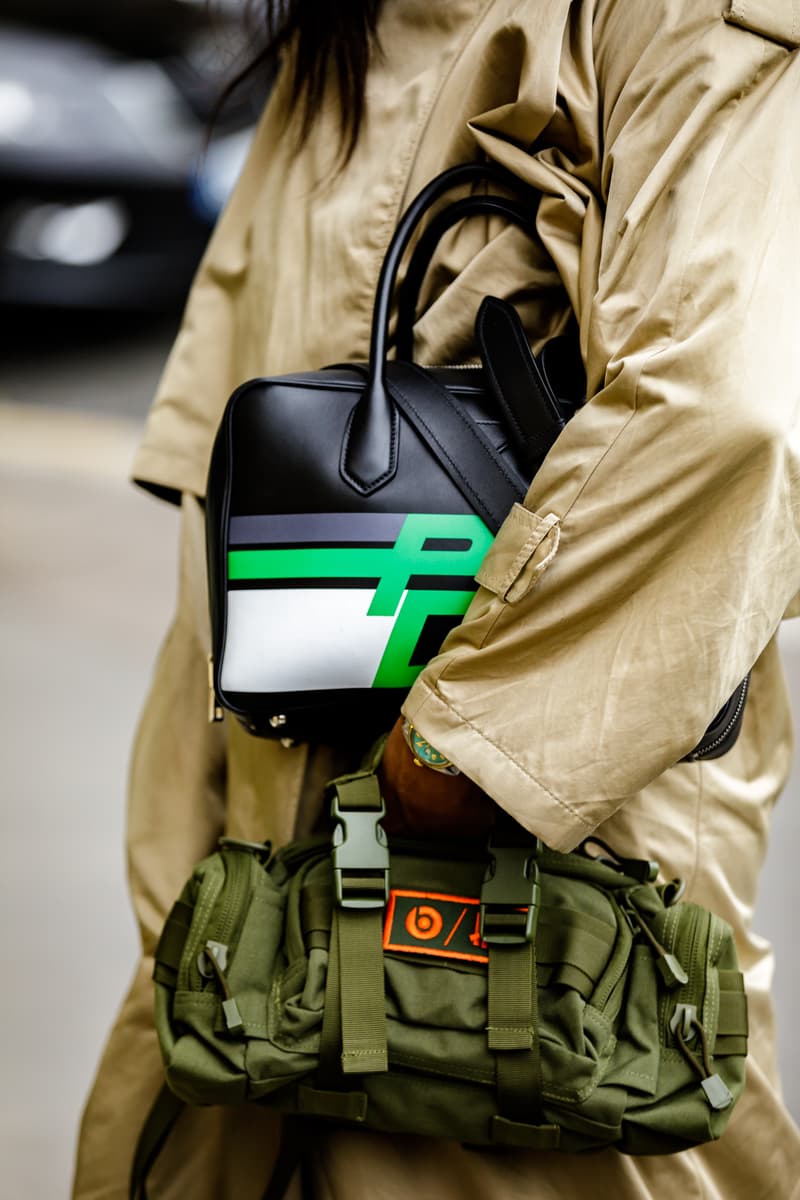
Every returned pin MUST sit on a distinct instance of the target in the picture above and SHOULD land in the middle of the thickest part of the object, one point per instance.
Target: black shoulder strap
(522, 392)
(159, 1124)
(293, 1154)
(456, 441)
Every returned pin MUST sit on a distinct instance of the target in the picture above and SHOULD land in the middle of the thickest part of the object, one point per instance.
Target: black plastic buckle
(360, 857)
(644, 869)
(510, 893)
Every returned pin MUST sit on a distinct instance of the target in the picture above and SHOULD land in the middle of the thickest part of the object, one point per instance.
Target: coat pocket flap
(778, 20)
(525, 545)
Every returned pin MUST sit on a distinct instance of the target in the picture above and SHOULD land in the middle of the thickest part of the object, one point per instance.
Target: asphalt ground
(87, 572)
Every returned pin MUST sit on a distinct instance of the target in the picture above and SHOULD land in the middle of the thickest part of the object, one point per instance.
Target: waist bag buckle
(510, 893)
(360, 855)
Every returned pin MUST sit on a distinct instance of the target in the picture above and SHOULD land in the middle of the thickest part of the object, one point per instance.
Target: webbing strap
(732, 1013)
(512, 1030)
(155, 1131)
(316, 905)
(732, 1023)
(361, 886)
(360, 791)
(361, 990)
(290, 1157)
(513, 1033)
(510, 909)
(523, 1136)
(330, 1038)
(727, 1044)
(334, 1105)
(324, 1098)
(511, 997)
(170, 945)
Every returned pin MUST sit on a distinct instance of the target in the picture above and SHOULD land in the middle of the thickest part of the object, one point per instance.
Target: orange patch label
(435, 924)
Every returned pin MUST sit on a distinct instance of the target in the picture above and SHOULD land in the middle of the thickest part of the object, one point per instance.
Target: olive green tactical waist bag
(393, 988)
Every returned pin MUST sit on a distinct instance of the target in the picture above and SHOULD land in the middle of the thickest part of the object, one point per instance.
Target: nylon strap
(457, 442)
(510, 898)
(330, 1039)
(361, 990)
(512, 1030)
(732, 1024)
(170, 945)
(511, 994)
(327, 1100)
(732, 1013)
(523, 1136)
(334, 1105)
(316, 903)
(727, 1043)
(359, 792)
(565, 975)
(360, 868)
(731, 981)
(522, 392)
(290, 1157)
(155, 1131)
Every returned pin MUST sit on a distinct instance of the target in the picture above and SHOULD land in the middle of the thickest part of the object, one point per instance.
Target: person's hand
(424, 803)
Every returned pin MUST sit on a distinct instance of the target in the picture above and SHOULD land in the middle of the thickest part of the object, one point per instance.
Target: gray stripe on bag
(338, 528)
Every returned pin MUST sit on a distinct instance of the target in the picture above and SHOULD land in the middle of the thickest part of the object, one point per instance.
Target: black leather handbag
(348, 509)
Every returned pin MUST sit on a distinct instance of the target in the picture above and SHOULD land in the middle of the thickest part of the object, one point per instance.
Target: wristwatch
(426, 755)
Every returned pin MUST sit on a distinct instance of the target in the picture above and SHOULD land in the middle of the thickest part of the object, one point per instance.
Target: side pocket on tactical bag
(297, 995)
(702, 1034)
(580, 1007)
(213, 965)
(637, 1056)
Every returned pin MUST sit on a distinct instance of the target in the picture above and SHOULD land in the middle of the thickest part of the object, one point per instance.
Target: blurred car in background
(114, 162)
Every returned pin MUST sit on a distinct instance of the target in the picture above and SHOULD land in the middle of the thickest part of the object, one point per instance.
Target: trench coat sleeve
(175, 815)
(657, 548)
(173, 455)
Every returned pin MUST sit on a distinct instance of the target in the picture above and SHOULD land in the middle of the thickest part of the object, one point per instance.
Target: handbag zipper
(720, 738)
(451, 366)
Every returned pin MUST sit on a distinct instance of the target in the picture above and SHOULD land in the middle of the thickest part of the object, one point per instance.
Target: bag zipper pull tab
(667, 964)
(684, 1026)
(717, 1092)
(230, 1009)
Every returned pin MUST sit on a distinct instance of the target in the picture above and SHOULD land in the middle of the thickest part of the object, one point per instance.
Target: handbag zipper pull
(668, 966)
(684, 1026)
(230, 1009)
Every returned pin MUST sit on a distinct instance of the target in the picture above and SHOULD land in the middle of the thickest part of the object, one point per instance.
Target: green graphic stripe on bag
(352, 607)
(412, 556)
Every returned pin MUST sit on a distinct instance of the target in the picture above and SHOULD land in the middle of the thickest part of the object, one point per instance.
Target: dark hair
(325, 36)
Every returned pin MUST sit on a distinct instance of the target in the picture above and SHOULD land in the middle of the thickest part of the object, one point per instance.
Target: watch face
(425, 752)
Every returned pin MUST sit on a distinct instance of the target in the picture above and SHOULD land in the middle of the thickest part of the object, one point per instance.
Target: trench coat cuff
(166, 474)
(488, 764)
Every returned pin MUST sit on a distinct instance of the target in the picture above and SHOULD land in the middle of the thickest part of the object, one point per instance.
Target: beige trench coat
(646, 572)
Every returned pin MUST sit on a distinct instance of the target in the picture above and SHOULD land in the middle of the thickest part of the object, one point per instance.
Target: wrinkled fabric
(645, 573)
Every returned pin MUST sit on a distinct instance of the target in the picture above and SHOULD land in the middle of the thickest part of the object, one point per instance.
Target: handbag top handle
(369, 453)
(408, 296)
